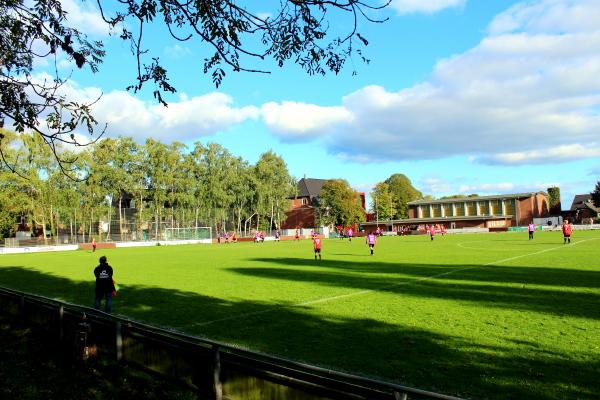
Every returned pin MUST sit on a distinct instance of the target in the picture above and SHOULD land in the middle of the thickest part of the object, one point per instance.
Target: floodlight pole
(376, 213)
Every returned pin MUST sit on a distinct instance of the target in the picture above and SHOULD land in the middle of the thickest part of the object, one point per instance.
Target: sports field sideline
(481, 316)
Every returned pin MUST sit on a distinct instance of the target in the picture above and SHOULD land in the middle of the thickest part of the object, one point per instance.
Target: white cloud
(424, 6)
(522, 93)
(186, 119)
(550, 155)
(177, 51)
(435, 185)
(85, 17)
(292, 120)
(546, 16)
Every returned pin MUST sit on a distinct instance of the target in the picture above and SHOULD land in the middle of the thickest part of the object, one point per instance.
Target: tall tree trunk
(57, 225)
(51, 222)
(109, 220)
(271, 222)
(44, 229)
(156, 224)
(120, 218)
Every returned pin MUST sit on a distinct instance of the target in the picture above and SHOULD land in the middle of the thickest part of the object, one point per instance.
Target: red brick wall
(303, 217)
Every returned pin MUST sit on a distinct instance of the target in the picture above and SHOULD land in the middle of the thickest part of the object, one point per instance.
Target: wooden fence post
(217, 386)
(119, 340)
(400, 396)
(61, 329)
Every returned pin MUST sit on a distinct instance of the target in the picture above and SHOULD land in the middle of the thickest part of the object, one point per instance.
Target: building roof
(478, 198)
(583, 201)
(440, 219)
(308, 187)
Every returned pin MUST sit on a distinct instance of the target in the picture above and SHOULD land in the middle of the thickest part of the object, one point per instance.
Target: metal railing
(217, 370)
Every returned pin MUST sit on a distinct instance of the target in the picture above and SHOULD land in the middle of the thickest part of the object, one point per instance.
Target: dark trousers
(107, 304)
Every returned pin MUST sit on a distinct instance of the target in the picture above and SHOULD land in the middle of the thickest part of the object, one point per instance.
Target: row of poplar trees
(171, 183)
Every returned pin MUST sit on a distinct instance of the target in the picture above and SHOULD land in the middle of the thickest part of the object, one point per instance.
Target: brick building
(499, 211)
(303, 207)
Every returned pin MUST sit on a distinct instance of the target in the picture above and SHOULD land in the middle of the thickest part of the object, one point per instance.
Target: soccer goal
(194, 233)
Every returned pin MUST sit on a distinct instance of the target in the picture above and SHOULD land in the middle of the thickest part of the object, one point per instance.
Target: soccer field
(481, 316)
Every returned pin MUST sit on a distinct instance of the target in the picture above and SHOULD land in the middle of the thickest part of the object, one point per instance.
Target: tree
(383, 205)
(338, 204)
(274, 186)
(237, 36)
(596, 195)
(402, 192)
(554, 200)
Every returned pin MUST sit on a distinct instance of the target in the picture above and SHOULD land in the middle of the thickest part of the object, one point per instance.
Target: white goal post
(193, 233)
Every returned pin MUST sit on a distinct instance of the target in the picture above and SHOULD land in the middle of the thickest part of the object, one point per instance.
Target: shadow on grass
(547, 290)
(394, 352)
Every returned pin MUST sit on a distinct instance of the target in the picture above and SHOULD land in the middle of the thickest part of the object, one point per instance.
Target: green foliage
(459, 196)
(402, 192)
(339, 204)
(383, 204)
(596, 195)
(166, 183)
(554, 200)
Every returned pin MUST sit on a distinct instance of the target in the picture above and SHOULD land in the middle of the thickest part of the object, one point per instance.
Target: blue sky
(462, 96)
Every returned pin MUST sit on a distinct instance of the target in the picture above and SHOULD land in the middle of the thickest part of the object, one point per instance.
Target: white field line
(367, 291)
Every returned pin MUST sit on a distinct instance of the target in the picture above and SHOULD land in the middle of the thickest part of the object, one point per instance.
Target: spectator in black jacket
(104, 284)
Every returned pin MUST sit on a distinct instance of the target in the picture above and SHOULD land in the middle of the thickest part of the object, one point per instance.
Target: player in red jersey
(567, 228)
(432, 231)
(317, 245)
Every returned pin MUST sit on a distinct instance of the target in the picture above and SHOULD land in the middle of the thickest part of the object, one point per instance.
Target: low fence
(216, 370)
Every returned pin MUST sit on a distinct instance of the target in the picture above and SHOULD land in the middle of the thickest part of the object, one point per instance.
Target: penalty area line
(382, 288)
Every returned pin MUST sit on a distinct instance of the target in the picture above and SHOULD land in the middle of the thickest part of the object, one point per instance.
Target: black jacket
(104, 278)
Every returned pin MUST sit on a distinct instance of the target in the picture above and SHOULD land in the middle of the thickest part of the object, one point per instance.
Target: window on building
(448, 210)
(484, 208)
(471, 208)
(425, 210)
(509, 206)
(496, 207)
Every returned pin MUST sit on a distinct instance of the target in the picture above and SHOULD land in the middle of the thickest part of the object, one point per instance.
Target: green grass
(482, 316)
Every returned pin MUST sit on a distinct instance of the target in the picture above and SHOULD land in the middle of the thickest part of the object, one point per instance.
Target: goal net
(194, 233)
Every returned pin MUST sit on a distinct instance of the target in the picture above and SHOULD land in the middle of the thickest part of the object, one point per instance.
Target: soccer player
(531, 229)
(443, 230)
(567, 228)
(350, 234)
(432, 232)
(317, 246)
(277, 235)
(94, 245)
(297, 237)
(371, 241)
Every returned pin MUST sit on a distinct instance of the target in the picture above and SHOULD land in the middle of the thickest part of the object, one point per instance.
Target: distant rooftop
(309, 187)
(583, 201)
